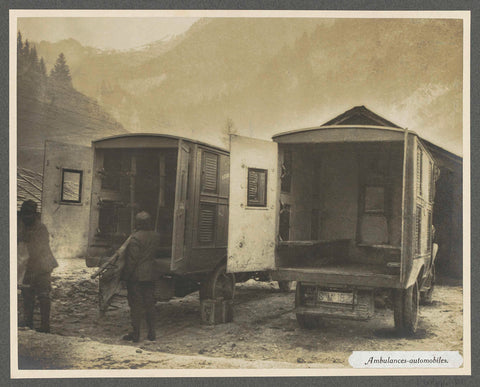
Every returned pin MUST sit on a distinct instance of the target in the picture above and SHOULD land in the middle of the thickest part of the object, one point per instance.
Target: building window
(257, 187)
(71, 186)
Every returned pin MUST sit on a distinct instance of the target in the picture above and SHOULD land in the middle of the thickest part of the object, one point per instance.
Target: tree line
(32, 72)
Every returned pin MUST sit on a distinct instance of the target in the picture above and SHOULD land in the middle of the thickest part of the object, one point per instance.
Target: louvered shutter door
(419, 171)
(418, 230)
(209, 172)
(206, 225)
(426, 177)
(252, 186)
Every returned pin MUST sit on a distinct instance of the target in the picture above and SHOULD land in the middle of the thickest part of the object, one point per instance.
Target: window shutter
(257, 187)
(252, 186)
(427, 173)
(209, 172)
(419, 171)
(418, 230)
(429, 232)
(207, 223)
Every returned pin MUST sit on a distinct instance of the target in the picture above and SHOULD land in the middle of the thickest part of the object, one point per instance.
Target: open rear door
(180, 212)
(66, 195)
(253, 205)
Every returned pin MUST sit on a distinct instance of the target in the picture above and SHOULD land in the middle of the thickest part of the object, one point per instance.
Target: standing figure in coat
(37, 279)
(139, 274)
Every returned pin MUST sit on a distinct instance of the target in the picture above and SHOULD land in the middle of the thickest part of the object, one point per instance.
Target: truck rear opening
(134, 180)
(341, 213)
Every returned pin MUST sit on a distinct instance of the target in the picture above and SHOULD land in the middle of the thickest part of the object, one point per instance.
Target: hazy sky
(431, 97)
(106, 33)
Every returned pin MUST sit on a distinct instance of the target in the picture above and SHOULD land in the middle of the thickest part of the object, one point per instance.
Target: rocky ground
(264, 333)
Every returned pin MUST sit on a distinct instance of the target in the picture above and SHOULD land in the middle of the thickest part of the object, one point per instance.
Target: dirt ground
(264, 333)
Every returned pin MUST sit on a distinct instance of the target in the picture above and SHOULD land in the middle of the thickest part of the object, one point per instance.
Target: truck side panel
(66, 192)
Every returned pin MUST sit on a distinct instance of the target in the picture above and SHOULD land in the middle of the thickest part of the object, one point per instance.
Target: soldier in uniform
(139, 274)
(39, 266)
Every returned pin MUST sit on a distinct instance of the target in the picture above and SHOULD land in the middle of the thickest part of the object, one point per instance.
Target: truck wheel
(406, 310)
(219, 284)
(304, 321)
(285, 286)
(426, 297)
(398, 309)
(410, 309)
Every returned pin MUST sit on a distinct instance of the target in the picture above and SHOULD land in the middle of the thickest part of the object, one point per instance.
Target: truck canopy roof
(359, 124)
(146, 140)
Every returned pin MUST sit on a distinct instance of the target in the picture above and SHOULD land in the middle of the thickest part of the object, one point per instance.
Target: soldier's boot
(28, 307)
(150, 317)
(45, 305)
(134, 335)
(136, 321)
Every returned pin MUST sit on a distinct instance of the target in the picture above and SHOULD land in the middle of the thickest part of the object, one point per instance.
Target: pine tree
(60, 73)
(33, 59)
(20, 57)
(42, 68)
(26, 49)
(19, 42)
(31, 72)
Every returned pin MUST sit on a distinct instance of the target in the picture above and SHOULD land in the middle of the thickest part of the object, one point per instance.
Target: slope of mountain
(271, 75)
(64, 115)
(90, 67)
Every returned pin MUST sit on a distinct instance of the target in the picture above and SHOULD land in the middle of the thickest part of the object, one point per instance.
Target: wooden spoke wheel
(219, 284)
(285, 286)
(406, 305)
(426, 296)
(305, 321)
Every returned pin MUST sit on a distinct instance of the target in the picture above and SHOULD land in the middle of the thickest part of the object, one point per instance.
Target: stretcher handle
(112, 259)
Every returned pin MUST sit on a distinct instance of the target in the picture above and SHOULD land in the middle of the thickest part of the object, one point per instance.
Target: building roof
(360, 115)
(29, 187)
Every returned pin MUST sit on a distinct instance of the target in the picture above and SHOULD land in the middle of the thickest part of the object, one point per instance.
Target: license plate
(335, 297)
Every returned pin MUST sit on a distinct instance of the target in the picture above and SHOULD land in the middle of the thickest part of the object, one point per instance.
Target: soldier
(40, 263)
(139, 273)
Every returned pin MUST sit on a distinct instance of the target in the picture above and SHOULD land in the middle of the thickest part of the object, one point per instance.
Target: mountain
(58, 114)
(267, 75)
(89, 65)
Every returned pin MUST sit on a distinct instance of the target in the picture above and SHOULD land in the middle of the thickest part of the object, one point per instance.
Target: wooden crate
(217, 311)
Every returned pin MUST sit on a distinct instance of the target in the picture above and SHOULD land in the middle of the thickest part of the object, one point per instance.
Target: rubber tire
(426, 297)
(304, 321)
(209, 288)
(410, 309)
(398, 309)
(406, 306)
(285, 286)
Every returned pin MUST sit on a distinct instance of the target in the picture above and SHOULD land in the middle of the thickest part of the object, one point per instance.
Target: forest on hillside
(50, 108)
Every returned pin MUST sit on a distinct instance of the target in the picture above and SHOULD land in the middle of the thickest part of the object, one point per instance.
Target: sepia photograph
(239, 193)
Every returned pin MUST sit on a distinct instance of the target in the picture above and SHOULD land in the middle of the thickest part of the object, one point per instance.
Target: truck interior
(341, 208)
(134, 180)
